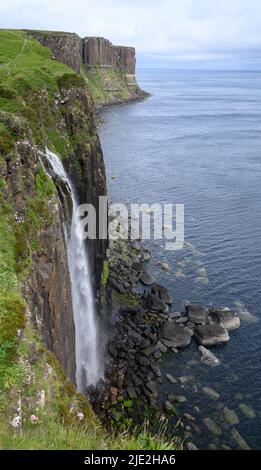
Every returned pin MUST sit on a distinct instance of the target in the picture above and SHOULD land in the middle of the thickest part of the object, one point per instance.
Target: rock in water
(171, 379)
(165, 266)
(239, 440)
(247, 411)
(230, 416)
(209, 335)
(212, 426)
(209, 392)
(225, 317)
(208, 357)
(147, 279)
(196, 314)
(191, 446)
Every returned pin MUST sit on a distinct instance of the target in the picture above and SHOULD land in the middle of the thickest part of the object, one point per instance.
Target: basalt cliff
(109, 69)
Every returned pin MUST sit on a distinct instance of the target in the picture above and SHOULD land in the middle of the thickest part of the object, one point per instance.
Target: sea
(197, 141)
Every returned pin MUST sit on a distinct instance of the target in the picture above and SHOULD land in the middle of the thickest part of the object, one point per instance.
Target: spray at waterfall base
(134, 222)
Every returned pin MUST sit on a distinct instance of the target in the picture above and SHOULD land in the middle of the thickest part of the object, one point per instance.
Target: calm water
(197, 141)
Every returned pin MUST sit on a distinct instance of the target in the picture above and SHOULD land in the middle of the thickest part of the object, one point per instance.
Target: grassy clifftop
(39, 407)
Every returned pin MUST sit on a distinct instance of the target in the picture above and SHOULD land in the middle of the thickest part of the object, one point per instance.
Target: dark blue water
(197, 141)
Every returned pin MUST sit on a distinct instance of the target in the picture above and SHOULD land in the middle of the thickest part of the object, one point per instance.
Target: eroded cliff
(109, 69)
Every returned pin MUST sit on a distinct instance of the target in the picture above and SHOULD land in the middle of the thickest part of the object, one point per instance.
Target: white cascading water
(88, 367)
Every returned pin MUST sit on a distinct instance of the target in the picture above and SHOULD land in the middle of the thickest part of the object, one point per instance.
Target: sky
(185, 31)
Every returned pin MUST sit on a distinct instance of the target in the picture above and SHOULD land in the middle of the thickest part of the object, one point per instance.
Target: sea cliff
(108, 69)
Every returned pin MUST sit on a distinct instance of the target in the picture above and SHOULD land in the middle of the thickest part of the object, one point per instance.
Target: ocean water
(197, 142)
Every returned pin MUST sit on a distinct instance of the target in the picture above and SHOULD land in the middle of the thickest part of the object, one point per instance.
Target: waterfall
(88, 367)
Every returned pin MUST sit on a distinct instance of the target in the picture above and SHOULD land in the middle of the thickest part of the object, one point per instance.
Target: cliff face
(47, 287)
(100, 52)
(109, 69)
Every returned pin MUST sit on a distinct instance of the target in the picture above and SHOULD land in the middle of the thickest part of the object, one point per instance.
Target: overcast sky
(186, 29)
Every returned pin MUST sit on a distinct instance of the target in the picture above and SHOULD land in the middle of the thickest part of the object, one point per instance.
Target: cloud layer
(176, 27)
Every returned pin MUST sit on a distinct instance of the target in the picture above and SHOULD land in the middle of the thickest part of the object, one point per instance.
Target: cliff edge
(108, 69)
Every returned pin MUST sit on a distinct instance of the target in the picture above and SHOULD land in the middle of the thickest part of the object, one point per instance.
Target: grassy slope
(27, 370)
(106, 85)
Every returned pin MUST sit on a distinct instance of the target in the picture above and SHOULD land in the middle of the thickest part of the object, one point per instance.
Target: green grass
(100, 80)
(52, 434)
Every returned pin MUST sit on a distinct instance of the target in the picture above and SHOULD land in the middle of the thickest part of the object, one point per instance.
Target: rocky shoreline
(145, 328)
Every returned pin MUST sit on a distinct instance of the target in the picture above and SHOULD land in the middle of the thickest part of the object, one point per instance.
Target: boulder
(191, 446)
(154, 303)
(209, 392)
(247, 411)
(177, 398)
(230, 416)
(212, 426)
(171, 379)
(163, 349)
(162, 293)
(196, 314)
(239, 440)
(225, 317)
(208, 357)
(165, 266)
(147, 279)
(178, 335)
(146, 255)
(181, 320)
(209, 335)
(174, 315)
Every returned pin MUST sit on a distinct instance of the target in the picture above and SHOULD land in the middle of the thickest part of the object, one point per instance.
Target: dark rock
(191, 446)
(209, 392)
(181, 320)
(162, 347)
(178, 335)
(196, 314)
(225, 317)
(147, 279)
(171, 379)
(177, 398)
(208, 357)
(209, 335)
(154, 303)
(162, 293)
(117, 286)
(174, 315)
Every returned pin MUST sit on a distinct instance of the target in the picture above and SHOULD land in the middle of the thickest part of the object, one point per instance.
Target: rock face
(47, 288)
(127, 59)
(100, 52)
(66, 47)
(116, 64)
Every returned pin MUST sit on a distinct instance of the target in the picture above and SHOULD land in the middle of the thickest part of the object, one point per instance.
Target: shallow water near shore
(197, 141)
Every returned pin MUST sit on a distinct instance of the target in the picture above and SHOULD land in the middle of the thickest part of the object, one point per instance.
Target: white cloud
(166, 26)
